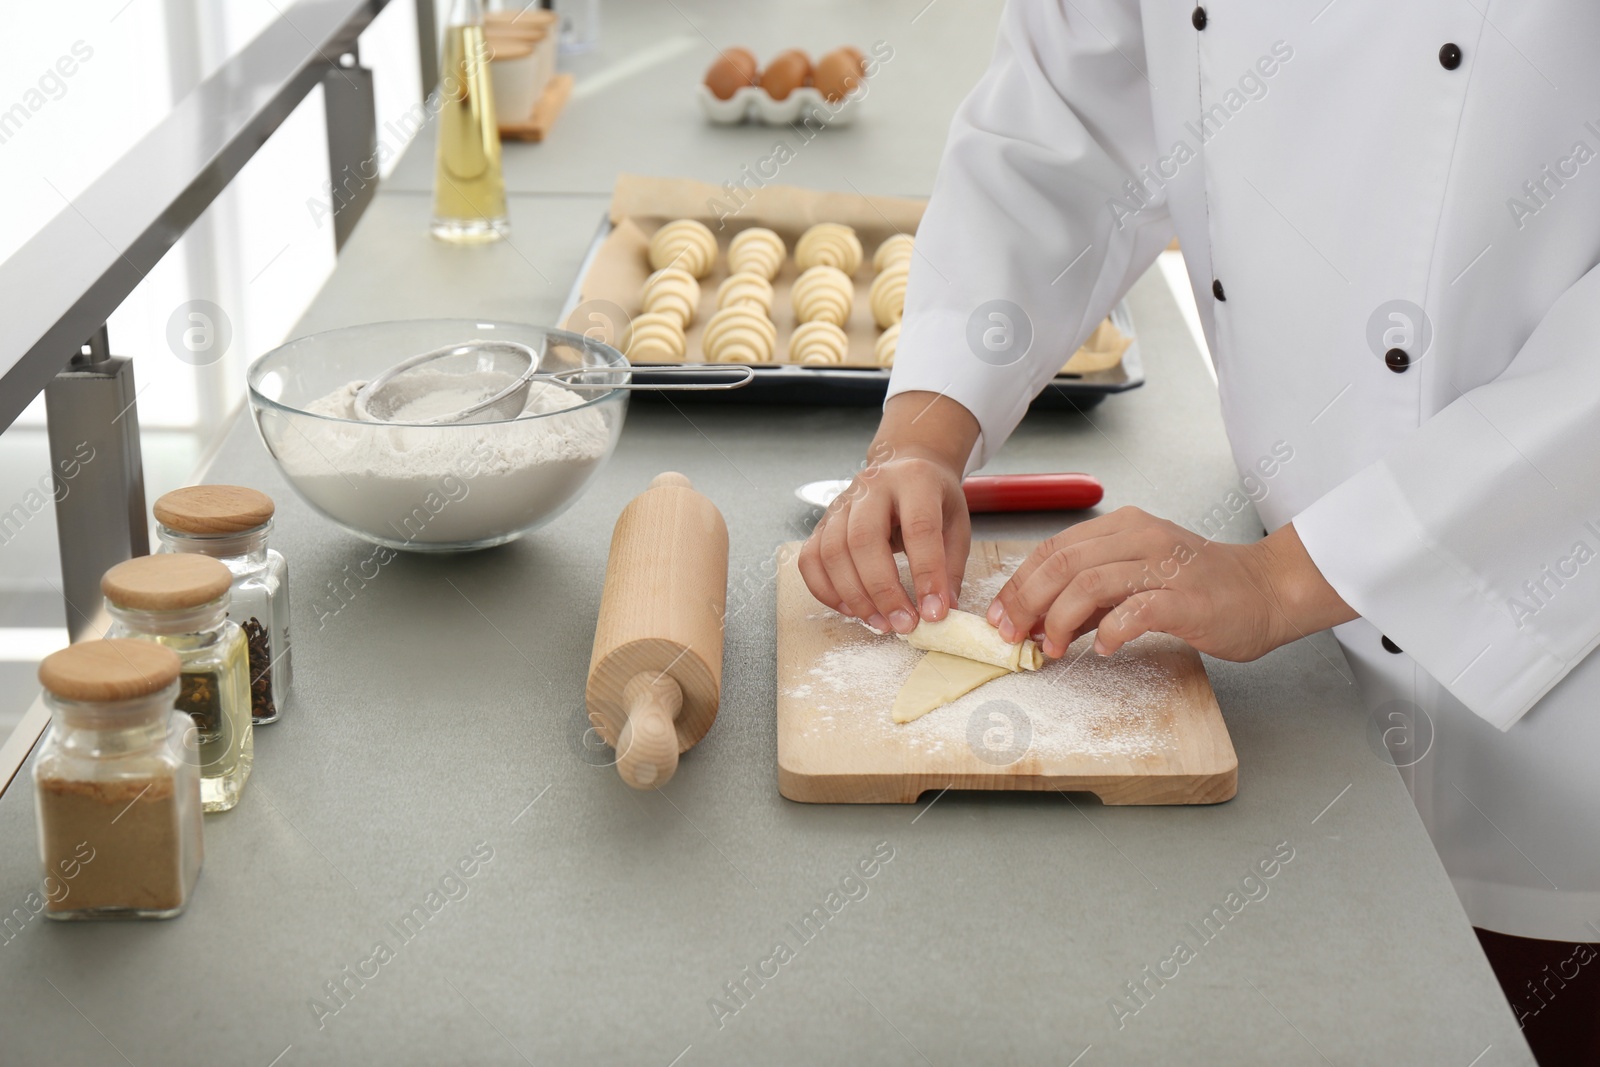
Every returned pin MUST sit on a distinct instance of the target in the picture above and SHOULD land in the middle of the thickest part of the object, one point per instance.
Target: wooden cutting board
(1139, 727)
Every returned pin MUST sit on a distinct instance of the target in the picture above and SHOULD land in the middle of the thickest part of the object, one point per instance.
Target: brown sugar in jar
(117, 784)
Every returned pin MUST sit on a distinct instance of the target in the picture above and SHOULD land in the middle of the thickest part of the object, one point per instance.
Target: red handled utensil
(995, 492)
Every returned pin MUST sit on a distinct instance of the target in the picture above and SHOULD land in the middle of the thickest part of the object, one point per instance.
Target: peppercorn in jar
(230, 523)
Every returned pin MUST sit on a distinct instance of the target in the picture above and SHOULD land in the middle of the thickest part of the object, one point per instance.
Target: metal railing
(62, 286)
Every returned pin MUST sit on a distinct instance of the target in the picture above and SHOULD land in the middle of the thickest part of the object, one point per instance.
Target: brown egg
(838, 73)
(734, 69)
(786, 72)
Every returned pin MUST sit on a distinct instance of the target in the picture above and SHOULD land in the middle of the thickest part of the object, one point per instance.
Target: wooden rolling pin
(656, 673)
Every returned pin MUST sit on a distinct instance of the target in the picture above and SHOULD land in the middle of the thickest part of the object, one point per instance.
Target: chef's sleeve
(1038, 224)
(1475, 543)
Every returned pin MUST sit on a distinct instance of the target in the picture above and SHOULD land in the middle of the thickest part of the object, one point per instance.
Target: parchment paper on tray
(1102, 351)
(640, 205)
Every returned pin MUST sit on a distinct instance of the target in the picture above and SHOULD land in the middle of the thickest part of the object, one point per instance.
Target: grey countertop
(634, 108)
(440, 710)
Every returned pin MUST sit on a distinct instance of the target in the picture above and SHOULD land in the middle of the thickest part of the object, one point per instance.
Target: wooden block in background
(536, 127)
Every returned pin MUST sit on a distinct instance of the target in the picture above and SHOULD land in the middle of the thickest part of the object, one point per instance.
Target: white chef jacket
(1327, 168)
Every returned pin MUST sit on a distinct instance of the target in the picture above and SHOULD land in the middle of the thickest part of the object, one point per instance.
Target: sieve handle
(748, 374)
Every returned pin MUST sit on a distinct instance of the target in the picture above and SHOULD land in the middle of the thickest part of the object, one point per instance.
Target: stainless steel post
(98, 473)
(352, 142)
(428, 44)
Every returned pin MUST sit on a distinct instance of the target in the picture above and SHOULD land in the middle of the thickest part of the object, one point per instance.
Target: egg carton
(803, 105)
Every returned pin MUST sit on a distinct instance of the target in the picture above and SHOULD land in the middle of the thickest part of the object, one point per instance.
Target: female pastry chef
(1391, 220)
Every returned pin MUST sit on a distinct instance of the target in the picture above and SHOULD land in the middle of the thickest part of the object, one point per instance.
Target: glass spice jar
(230, 523)
(116, 784)
(181, 601)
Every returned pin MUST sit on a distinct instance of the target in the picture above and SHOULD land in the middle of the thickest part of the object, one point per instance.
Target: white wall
(259, 253)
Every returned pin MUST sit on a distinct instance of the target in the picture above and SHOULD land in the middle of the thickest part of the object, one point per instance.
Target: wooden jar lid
(505, 48)
(118, 669)
(527, 25)
(214, 509)
(531, 16)
(167, 582)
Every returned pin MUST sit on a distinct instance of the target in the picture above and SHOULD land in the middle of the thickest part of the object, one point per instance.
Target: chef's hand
(1130, 573)
(907, 498)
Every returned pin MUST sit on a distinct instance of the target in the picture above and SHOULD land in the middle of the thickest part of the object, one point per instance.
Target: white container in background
(514, 75)
(804, 106)
(533, 26)
(546, 48)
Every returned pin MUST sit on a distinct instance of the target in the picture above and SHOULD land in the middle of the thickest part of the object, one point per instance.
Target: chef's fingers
(815, 573)
(1089, 529)
(1118, 521)
(1028, 595)
(921, 516)
(1091, 591)
(957, 541)
(871, 517)
(1001, 607)
(1086, 626)
(1166, 611)
(842, 572)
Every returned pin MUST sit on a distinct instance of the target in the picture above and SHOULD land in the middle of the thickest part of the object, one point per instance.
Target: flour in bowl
(442, 484)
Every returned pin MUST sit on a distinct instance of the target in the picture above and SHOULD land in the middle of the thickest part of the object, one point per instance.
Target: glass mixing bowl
(447, 488)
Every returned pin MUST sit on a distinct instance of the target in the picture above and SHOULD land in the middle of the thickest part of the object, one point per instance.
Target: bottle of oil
(180, 600)
(469, 192)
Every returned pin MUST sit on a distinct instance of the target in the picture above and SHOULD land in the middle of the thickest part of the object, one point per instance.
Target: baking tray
(793, 383)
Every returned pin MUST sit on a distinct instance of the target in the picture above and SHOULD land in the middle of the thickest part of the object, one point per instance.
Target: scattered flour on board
(1081, 704)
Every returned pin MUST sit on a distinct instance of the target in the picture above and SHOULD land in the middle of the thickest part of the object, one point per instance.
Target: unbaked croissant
(745, 288)
(888, 341)
(828, 244)
(684, 243)
(893, 250)
(757, 250)
(888, 293)
(823, 294)
(818, 342)
(655, 335)
(740, 334)
(672, 291)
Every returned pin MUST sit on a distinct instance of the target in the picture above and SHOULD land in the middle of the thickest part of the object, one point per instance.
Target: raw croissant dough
(962, 633)
(757, 250)
(964, 652)
(887, 342)
(745, 287)
(888, 293)
(654, 335)
(685, 243)
(940, 679)
(671, 291)
(818, 342)
(895, 249)
(828, 244)
(740, 334)
(822, 294)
